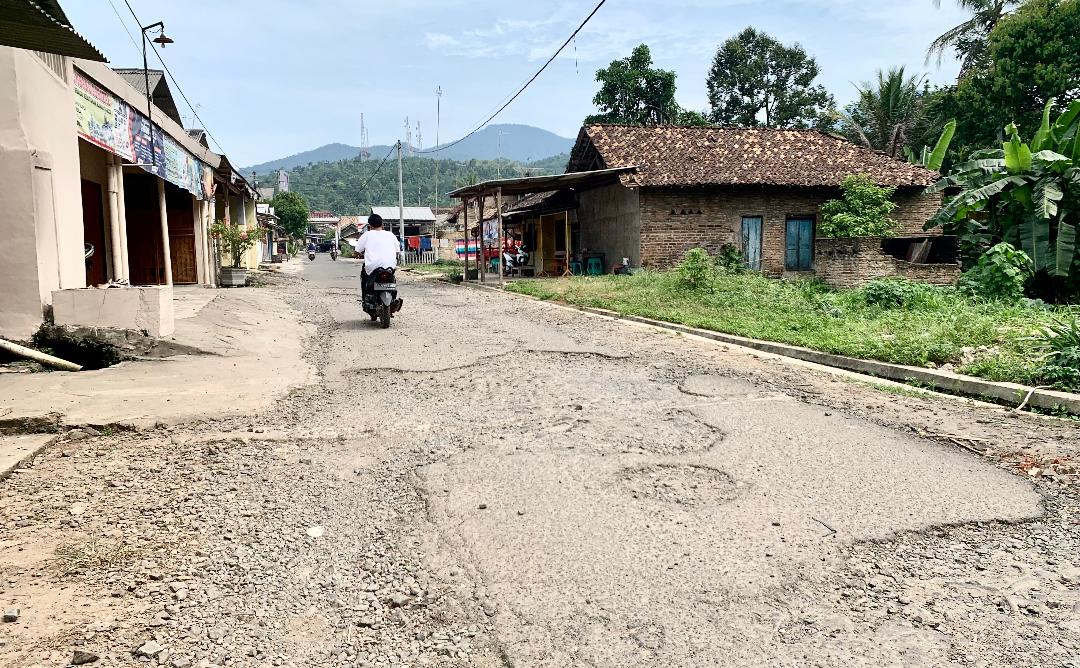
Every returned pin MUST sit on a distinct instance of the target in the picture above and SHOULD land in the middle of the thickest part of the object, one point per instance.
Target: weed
(91, 555)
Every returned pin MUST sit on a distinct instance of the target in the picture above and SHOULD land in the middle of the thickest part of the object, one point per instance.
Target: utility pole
(498, 163)
(401, 198)
(438, 123)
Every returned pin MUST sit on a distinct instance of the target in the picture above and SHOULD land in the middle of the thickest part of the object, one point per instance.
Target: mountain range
(518, 143)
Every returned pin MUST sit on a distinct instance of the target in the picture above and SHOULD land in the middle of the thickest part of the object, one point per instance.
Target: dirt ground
(499, 482)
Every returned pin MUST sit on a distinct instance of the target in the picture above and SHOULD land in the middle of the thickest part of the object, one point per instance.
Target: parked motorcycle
(380, 301)
(516, 260)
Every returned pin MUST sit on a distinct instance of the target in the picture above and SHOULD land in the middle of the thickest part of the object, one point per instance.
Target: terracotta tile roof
(685, 156)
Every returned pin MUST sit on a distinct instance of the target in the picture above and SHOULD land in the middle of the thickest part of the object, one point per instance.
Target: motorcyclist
(312, 248)
(380, 249)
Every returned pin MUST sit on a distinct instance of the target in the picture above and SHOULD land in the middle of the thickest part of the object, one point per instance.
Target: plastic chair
(576, 267)
(594, 266)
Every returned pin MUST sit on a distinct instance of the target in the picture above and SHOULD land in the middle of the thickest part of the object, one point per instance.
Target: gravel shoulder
(547, 489)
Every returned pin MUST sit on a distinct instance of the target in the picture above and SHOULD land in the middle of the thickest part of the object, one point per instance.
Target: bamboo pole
(566, 223)
(465, 276)
(37, 356)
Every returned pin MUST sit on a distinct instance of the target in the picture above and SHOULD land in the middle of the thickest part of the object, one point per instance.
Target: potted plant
(237, 241)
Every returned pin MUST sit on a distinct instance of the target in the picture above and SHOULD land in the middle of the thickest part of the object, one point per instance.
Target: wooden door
(751, 238)
(94, 233)
(145, 250)
(799, 255)
(181, 216)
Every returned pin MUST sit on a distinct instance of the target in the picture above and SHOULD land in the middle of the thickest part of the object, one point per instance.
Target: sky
(276, 77)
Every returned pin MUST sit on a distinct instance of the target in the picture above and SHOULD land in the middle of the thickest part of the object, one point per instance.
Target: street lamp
(161, 40)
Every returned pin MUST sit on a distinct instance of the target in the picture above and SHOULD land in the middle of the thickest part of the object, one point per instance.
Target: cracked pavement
(499, 482)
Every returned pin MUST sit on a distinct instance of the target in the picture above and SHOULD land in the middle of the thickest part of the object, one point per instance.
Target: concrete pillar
(212, 260)
(164, 231)
(200, 255)
(122, 213)
(116, 254)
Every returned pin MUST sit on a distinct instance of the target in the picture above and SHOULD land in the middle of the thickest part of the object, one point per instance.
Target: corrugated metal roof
(420, 214)
(526, 185)
(162, 94)
(41, 25)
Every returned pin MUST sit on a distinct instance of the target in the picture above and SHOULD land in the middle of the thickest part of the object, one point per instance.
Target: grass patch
(443, 267)
(91, 555)
(918, 325)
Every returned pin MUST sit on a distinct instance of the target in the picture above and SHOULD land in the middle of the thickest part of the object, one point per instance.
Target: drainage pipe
(37, 356)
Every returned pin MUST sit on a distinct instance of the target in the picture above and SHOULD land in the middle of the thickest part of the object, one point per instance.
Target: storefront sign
(110, 123)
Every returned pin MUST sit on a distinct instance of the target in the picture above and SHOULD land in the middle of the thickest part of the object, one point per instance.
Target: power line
(527, 83)
(124, 25)
(177, 85)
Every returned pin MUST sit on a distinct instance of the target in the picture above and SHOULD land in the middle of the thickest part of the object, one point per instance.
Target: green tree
(863, 212)
(1033, 55)
(633, 92)
(692, 118)
(969, 39)
(292, 210)
(887, 113)
(352, 187)
(755, 80)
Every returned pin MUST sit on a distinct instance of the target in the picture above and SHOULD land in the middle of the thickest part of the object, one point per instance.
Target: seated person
(379, 249)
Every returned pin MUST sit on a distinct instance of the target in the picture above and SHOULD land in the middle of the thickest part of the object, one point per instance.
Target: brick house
(760, 189)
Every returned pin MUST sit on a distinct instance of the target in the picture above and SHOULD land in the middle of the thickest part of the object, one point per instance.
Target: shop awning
(41, 25)
(542, 204)
(538, 184)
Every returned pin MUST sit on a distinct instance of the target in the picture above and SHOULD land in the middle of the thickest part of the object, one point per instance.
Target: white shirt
(380, 249)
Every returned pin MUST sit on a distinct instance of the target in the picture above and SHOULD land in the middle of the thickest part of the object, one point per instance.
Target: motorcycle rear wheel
(384, 317)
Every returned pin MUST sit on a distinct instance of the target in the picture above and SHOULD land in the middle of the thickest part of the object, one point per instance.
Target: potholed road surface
(499, 482)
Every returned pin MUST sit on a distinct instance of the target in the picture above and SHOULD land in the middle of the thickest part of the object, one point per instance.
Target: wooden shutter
(799, 246)
(791, 250)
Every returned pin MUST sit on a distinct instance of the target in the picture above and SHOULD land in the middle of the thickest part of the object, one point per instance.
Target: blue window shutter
(791, 254)
(806, 245)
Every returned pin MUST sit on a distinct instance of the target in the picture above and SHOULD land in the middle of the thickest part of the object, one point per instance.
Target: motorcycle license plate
(386, 286)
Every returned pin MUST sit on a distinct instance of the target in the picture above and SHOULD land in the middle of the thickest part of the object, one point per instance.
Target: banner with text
(110, 123)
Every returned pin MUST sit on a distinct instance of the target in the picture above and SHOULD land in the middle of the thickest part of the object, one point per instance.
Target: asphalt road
(616, 496)
(496, 482)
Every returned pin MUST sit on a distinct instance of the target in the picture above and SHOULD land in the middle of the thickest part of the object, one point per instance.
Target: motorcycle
(311, 255)
(516, 260)
(380, 301)
(333, 254)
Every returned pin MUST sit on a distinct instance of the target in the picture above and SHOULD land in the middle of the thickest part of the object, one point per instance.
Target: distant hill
(520, 143)
(352, 187)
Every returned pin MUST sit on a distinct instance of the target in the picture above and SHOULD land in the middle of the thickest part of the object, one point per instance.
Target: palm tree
(969, 38)
(886, 112)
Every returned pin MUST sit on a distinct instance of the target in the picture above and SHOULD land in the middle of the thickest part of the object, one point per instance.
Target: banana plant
(1026, 193)
(933, 158)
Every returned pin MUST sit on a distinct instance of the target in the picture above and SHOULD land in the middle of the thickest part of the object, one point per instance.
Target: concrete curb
(10, 466)
(950, 382)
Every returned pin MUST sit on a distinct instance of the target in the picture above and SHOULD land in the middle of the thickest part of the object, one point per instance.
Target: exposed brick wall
(849, 263)
(713, 217)
(914, 208)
